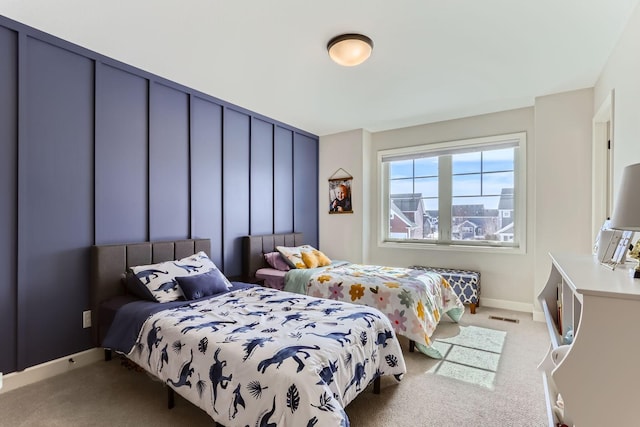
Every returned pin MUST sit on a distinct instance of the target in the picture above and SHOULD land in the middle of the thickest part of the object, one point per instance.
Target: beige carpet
(505, 391)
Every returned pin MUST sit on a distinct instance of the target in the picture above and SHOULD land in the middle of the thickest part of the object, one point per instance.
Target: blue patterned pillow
(160, 279)
(201, 285)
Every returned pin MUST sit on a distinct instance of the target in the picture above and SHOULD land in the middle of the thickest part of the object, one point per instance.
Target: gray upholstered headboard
(108, 262)
(254, 248)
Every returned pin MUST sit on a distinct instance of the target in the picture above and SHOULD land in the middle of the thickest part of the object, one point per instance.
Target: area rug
(472, 356)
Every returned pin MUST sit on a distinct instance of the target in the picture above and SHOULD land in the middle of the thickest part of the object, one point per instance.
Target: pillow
(275, 260)
(314, 258)
(293, 255)
(160, 279)
(135, 287)
(201, 285)
(323, 260)
(197, 264)
(309, 259)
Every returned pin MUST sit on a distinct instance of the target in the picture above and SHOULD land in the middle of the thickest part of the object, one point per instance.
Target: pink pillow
(274, 259)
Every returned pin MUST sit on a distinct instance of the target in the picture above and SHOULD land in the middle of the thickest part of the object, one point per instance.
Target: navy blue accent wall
(94, 151)
(121, 154)
(55, 202)
(235, 187)
(169, 216)
(8, 194)
(305, 172)
(261, 177)
(283, 181)
(206, 177)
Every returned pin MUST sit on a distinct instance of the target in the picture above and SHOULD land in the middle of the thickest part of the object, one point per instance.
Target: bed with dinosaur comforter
(259, 356)
(247, 355)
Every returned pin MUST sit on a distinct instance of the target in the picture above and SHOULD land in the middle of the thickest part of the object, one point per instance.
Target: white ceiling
(432, 60)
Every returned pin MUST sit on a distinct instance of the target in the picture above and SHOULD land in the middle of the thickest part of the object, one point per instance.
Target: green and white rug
(471, 356)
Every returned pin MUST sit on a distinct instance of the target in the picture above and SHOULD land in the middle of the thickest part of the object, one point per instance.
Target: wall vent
(505, 319)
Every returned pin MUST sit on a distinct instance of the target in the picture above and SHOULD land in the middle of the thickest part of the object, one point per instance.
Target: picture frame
(340, 201)
(614, 245)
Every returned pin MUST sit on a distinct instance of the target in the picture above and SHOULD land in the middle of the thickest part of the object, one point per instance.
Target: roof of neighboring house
(407, 202)
(506, 199)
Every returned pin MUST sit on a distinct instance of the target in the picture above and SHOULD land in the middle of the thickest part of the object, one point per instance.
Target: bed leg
(472, 308)
(107, 355)
(376, 386)
(412, 345)
(170, 398)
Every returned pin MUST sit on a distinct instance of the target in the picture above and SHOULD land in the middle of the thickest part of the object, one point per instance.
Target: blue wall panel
(8, 195)
(261, 205)
(305, 177)
(96, 151)
(55, 203)
(283, 181)
(169, 214)
(206, 174)
(235, 191)
(121, 169)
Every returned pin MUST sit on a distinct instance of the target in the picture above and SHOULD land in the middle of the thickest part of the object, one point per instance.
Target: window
(458, 193)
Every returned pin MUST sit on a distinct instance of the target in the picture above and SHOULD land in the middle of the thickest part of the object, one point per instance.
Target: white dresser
(599, 376)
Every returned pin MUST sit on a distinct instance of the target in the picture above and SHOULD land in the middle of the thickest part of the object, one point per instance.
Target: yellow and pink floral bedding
(414, 300)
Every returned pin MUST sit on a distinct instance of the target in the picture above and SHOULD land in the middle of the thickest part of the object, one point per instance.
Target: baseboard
(506, 305)
(538, 316)
(50, 369)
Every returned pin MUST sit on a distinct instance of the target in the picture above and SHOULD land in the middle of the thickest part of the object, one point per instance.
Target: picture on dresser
(623, 247)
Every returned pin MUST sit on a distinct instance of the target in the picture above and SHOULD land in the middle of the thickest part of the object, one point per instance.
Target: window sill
(453, 248)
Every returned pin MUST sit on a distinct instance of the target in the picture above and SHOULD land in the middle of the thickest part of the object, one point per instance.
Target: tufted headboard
(108, 262)
(254, 248)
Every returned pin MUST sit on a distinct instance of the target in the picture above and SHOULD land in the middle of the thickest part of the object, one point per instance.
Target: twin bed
(413, 300)
(247, 355)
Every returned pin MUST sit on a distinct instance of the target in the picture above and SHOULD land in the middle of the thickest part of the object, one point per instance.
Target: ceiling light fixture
(350, 49)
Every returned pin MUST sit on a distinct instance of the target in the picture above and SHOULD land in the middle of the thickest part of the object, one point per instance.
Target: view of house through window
(454, 193)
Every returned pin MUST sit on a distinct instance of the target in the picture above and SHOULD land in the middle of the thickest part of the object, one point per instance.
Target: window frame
(441, 148)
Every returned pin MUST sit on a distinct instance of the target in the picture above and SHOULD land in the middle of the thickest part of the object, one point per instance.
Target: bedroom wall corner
(342, 236)
(562, 178)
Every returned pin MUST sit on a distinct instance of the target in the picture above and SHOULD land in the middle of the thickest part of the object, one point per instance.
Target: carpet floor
(487, 377)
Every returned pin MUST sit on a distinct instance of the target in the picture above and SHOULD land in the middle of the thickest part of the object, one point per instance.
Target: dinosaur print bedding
(413, 300)
(263, 357)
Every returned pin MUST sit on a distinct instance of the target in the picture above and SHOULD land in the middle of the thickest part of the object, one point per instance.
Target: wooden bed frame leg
(376, 386)
(170, 398)
(472, 308)
(107, 355)
(412, 346)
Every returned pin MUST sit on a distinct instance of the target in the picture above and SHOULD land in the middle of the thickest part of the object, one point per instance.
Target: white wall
(562, 178)
(342, 235)
(622, 74)
(558, 131)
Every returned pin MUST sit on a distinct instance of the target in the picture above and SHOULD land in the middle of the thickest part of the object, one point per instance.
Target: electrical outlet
(86, 319)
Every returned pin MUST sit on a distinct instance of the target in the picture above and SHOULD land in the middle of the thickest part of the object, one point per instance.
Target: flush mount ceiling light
(350, 49)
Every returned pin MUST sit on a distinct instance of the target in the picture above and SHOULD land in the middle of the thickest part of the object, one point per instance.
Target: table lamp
(626, 215)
